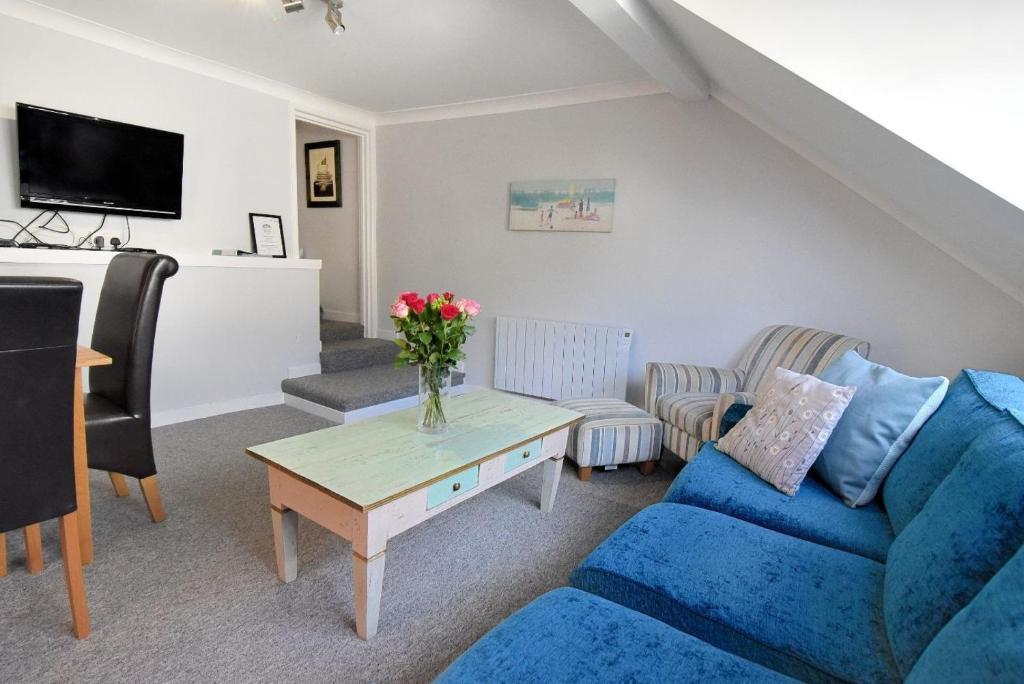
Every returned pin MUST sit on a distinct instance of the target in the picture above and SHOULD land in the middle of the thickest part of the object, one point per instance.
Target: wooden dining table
(86, 358)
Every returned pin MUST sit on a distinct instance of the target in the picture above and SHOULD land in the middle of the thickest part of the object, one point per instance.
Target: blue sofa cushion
(800, 608)
(975, 401)
(716, 482)
(968, 529)
(983, 642)
(571, 636)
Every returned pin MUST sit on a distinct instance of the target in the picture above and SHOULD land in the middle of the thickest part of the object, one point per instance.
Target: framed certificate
(267, 235)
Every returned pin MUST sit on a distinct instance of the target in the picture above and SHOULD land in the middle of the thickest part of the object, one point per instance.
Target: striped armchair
(690, 400)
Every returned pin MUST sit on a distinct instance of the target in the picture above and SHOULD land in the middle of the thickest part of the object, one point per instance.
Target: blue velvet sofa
(729, 580)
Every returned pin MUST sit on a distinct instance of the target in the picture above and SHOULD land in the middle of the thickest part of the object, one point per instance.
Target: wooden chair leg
(647, 467)
(73, 574)
(585, 474)
(120, 484)
(151, 493)
(34, 548)
(3, 554)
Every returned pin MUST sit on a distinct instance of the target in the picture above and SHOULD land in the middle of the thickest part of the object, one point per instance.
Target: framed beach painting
(580, 206)
(323, 174)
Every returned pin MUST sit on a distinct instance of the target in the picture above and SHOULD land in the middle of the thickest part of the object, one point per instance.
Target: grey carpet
(348, 354)
(358, 388)
(340, 330)
(195, 599)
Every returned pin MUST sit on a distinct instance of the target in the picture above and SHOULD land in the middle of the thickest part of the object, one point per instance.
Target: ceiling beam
(636, 28)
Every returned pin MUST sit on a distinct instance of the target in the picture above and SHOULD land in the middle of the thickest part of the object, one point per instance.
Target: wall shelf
(16, 255)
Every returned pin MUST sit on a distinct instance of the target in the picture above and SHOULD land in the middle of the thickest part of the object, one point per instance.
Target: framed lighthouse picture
(323, 174)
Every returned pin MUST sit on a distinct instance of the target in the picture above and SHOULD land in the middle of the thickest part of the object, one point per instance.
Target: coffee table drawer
(451, 487)
(524, 454)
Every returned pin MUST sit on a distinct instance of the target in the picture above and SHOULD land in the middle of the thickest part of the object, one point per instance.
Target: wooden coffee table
(370, 481)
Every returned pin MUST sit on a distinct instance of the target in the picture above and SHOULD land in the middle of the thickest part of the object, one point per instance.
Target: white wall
(719, 230)
(331, 234)
(238, 152)
(227, 336)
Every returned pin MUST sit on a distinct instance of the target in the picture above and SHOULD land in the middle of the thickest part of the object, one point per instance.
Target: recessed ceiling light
(292, 6)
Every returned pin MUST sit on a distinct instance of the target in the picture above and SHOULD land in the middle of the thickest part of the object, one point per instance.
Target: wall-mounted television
(82, 163)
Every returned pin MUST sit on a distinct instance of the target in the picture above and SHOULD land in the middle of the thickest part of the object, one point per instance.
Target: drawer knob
(526, 454)
(457, 486)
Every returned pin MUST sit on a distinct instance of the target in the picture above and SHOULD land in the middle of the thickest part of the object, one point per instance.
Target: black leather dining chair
(117, 411)
(38, 344)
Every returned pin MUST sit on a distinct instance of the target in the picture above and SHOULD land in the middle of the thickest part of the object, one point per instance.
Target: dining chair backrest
(38, 344)
(125, 329)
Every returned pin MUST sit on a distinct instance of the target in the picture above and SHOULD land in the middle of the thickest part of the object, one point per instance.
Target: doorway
(330, 216)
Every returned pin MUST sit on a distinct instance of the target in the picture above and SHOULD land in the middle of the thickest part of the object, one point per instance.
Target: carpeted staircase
(357, 376)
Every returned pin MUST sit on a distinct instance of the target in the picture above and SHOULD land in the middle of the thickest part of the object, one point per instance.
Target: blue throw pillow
(878, 425)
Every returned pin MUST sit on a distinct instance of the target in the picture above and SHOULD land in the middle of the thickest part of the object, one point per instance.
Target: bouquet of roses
(432, 332)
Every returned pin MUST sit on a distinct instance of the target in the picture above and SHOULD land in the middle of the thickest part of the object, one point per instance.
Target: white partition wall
(230, 328)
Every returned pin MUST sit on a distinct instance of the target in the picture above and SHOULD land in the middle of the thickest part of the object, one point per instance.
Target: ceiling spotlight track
(333, 17)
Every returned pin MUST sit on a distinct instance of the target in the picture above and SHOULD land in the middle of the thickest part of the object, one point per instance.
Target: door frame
(366, 142)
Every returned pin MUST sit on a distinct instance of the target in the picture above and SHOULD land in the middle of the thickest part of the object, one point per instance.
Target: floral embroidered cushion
(780, 438)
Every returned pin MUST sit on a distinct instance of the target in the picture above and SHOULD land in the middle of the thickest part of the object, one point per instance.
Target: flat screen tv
(81, 163)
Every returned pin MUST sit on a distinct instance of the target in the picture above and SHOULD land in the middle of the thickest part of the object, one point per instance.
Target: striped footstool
(611, 433)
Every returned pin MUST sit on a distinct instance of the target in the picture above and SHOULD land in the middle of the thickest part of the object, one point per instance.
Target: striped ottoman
(611, 433)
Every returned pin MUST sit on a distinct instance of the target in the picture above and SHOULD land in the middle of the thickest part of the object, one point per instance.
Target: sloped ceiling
(970, 222)
(945, 75)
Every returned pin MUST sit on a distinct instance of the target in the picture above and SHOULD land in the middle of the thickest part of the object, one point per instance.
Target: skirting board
(181, 415)
(303, 370)
(346, 316)
(341, 418)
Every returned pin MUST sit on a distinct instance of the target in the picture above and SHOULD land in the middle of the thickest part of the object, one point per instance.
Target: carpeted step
(351, 354)
(350, 390)
(332, 331)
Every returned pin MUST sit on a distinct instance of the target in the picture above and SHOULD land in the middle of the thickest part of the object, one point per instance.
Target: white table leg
(552, 473)
(368, 582)
(286, 528)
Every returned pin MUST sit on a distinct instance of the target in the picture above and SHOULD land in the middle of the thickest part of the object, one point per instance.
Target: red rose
(449, 311)
(418, 306)
(432, 297)
(409, 297)
(449, 296)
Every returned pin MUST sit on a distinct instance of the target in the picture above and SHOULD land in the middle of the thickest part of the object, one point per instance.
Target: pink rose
(399, 309)
(432, 297)
(470, 306)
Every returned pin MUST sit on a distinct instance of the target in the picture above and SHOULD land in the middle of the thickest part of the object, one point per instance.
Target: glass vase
(435, 389)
